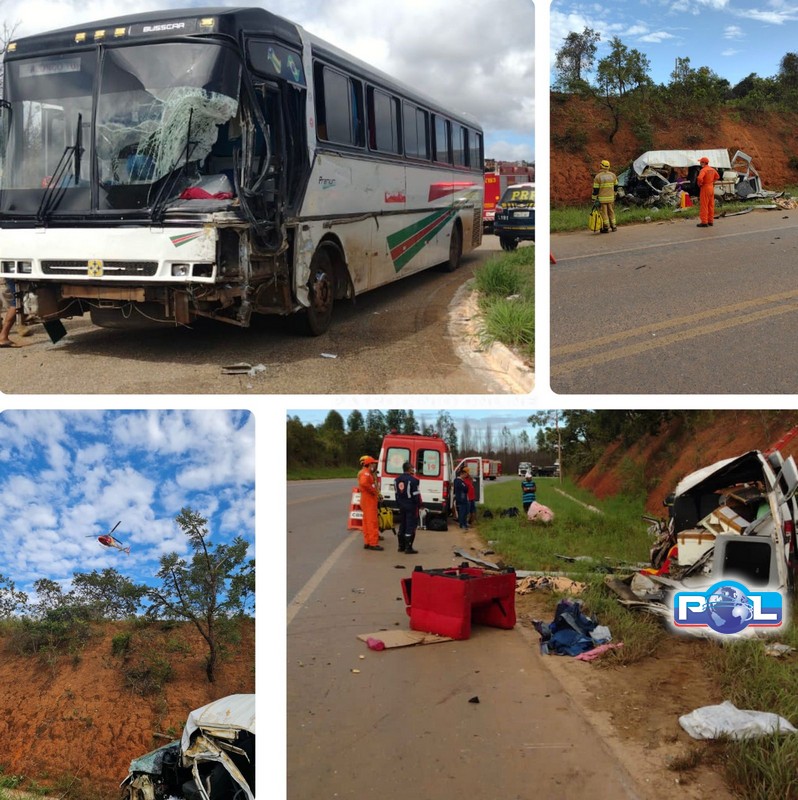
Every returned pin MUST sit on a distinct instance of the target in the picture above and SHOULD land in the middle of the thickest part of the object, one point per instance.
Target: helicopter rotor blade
(115, 527)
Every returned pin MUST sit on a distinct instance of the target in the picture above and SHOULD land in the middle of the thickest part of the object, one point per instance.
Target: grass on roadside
(574, 218)
(759, 769)
(505, 284)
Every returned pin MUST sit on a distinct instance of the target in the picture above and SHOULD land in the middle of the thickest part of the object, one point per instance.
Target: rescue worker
(9, 306)
(408, 497)
(369, 496)
(461, 499)
(605, 186)
(706, 184)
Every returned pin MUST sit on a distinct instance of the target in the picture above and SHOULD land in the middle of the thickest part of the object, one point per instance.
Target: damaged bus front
(145, 175)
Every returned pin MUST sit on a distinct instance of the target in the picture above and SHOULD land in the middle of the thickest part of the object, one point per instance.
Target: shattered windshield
(160, 108)
(159, 111)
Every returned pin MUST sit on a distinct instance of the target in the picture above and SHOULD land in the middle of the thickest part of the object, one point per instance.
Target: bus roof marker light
(11, 47)
(119, 32)
(207, 22)
(99, 35)
(80, 37)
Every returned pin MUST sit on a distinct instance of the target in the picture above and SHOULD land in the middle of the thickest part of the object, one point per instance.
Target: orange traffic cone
(355, 512)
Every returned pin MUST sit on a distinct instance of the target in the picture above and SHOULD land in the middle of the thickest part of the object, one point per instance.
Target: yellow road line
(664, 341)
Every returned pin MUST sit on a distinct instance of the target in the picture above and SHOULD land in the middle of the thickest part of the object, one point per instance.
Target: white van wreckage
(214, 759)
(735, 519)
(658, 177)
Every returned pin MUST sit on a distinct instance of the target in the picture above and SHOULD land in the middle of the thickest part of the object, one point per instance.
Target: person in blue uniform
(408, 498)
(461, 499)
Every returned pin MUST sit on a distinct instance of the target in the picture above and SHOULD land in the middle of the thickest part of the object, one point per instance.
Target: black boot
(401, 539)
(409, 546)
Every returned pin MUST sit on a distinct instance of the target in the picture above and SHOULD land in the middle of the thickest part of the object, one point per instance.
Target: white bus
(221, 162)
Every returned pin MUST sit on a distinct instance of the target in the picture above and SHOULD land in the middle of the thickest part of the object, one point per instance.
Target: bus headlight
(180, 270)
(24, 267)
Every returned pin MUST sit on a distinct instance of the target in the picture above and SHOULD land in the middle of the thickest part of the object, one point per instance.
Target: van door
(475, 467)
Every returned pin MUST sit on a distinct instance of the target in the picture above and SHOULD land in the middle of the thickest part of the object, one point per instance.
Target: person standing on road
(605, 186)
(472, 496)
(408, 497)
(369, 497)
(706, 185)
(528, 491)
(461, 499)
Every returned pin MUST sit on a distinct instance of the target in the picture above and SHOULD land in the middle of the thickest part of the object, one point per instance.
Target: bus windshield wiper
(55, 189)
(159, 204)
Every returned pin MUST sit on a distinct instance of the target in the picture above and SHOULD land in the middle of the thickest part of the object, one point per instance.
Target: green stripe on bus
(425, 229)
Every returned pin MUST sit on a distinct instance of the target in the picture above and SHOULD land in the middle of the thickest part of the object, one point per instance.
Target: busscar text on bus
(219, 163)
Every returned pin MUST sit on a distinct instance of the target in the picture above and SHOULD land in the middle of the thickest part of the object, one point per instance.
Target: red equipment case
(447, 601)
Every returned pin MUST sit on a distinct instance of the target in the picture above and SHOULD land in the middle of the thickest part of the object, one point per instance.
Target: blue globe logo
(729, 609)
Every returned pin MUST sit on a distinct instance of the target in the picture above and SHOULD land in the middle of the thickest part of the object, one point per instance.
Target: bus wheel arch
(328, 281)
(455, 247)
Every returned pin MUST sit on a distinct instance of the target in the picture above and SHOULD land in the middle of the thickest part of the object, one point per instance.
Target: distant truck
(504, 174)
(546, 471)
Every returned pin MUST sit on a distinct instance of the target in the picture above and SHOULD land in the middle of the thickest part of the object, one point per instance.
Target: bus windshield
(158, 109)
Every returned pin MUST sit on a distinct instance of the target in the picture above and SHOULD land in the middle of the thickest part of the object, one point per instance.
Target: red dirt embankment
(660, 461)
(75, 721)
(580, 131)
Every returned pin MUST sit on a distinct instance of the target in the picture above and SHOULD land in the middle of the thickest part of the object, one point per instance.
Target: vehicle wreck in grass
(662, 177)
(214, 759)
(733, 520)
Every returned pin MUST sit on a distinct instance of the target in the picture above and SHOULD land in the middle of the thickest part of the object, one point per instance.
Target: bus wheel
(508, 242)
(321, 293)
(455, 249)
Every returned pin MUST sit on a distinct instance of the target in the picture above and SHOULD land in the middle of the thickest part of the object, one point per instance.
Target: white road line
(303, 595)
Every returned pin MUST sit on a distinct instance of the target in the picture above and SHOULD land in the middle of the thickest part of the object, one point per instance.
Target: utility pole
(559, 443)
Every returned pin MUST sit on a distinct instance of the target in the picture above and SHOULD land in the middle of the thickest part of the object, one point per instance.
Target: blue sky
(459, 53)
(67, 476)
(732, 37)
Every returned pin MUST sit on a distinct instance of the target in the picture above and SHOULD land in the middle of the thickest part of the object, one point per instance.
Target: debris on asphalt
(571, 632)
(474, 699)
(328, 355)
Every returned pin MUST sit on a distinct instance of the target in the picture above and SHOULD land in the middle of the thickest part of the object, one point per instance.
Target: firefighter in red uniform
(706, 183)
(369, 497)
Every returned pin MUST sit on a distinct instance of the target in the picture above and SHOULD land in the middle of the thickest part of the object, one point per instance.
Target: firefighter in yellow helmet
(369, 497)
(605, 185)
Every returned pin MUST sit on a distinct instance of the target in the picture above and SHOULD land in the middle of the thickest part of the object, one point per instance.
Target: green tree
(108, 594)
(11, 600)
(575, 59)
(355, 422)
(210, 591)
(697, 92)
(410, 425)
(49, 596)
(788, 71)
(619, 75)
(447, 430)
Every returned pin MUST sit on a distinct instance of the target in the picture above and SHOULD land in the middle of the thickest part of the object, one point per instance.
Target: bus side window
(442, 147)
(383, 111)
(339, 107)
(460, 145)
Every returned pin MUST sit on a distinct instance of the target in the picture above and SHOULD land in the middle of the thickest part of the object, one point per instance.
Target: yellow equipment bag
(385, 518)
(594, 221)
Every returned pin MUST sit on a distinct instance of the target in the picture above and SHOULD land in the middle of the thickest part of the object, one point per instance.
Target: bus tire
(321, 293)
(508, 243)
(455, 248)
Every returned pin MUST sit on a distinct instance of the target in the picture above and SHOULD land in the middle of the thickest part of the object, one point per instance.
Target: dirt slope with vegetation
(72, 720)
(654, 464)
(580, 130)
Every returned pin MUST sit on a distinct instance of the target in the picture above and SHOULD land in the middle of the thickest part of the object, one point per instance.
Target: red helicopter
(107, 540)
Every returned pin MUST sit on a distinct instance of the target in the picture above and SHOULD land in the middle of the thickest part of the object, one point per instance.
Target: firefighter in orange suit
(369, 496)
(706, 183)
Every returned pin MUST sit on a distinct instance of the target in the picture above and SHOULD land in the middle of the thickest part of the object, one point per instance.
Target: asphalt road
(401, 725)
(394, 340)
(668, 308)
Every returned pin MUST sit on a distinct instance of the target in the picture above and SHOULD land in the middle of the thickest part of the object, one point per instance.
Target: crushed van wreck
(214, 759)
(662, 177)
(735, 519)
